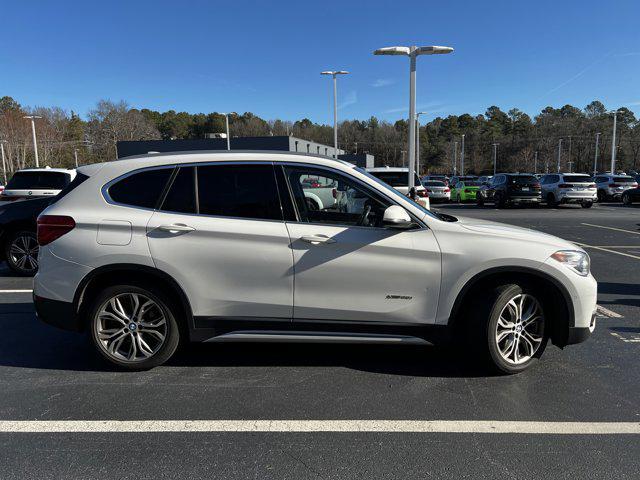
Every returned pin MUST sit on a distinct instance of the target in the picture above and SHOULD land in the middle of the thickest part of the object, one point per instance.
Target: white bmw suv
(145, 252)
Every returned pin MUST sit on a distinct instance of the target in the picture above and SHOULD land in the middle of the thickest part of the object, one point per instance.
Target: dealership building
(281, 143)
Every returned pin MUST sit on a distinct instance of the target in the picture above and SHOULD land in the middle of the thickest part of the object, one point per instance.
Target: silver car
(438, 191)
(562, 188)
(611, 187)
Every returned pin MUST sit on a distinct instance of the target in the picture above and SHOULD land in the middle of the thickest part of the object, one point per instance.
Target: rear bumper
(57, 313)
(517, 199)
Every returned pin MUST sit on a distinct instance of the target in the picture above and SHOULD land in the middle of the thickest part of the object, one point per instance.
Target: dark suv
(510, 189)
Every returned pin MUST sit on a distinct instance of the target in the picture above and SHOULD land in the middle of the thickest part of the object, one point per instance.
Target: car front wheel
(132, 327)
(511, 323)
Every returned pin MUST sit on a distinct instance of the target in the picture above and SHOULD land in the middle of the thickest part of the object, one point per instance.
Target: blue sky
(265, 57)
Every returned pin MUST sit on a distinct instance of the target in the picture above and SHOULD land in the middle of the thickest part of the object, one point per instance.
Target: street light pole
(595, 160)
(4, 165)
(495, 158)
(613, 143)
(226, 121)
(455, 157)
(535, 162)
(334, 74)
(412, 52)
(559, 153)
(462, 157)
(33, 132)
(418, 141)
(75, 155)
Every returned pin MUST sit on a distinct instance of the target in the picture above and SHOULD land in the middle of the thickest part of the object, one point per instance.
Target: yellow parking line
(611, 228)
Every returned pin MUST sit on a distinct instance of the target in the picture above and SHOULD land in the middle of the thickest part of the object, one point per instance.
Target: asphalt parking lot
(50, 375)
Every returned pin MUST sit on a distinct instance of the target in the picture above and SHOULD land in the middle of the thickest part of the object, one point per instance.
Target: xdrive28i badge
(398, 297)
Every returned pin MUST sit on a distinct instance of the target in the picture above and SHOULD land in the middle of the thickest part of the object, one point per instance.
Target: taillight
(447, 189)
(592, 185)
(634, 185)
(536, 186)
(334, 192)
(52, 227)
(422, 193)
(428, 191)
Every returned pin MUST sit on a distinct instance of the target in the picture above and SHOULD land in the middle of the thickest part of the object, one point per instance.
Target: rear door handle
(317, 239)
(176, 227)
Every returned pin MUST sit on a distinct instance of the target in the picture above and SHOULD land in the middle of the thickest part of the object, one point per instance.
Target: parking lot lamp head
(412, 52)
(334, 74)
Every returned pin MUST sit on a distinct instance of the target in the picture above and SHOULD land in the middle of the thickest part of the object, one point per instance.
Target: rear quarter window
(142, 189)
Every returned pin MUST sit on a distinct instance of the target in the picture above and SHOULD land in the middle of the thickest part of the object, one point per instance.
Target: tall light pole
(412, 52)
(455, 157)
(226, 122)
(495, 158)
(418, 140)
(595, 159)
(462, 156)
(33, 131)
(559, 153)
(4, 165)
(535, 162)
(75, 156)
(334, 74)
(613, 141)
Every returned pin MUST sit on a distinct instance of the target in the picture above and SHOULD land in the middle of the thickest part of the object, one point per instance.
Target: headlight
(574, 259)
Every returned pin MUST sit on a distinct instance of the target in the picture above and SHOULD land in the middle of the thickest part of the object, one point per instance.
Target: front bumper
(57, 313)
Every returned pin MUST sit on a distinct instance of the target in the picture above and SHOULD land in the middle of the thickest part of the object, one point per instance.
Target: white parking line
(17, 291)
(607, 250)
(312, 426)
(607, 313)
(610, 228)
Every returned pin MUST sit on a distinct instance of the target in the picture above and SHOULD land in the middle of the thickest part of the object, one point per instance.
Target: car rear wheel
(21, 253)
(551, 200)
(510, 327)
(626, 199)
(587, 204)
(132, 327)
(602, 196)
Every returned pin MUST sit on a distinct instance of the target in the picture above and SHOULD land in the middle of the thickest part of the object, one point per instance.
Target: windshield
(395, 179)
(38, 180)
(523, 179)
(395, 192)
(578, 179)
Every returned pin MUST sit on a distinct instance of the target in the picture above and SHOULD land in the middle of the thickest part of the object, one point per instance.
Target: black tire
(312, 205)
(21, 253)
(586, 204)
(602, 196)
(479, 201)
(626, 199)
(458, 200)
(500, 201)
(551, 200)
(484, 316)
(164, 350)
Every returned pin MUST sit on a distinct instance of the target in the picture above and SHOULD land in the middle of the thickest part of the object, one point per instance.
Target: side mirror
(396, 217)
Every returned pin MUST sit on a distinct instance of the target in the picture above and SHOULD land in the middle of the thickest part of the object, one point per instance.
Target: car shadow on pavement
(28, 343)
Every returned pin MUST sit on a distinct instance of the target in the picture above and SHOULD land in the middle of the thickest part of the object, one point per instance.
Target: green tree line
(520, 139)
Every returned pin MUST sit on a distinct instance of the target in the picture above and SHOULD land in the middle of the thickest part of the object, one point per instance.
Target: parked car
(320, 193)
(611, 187)
(510, 189)
(148, 251)
(631, 195)
(37, 182)
(18, 242)
(485, 179)
(436, 178)
(465, 190)
(438, 191)
(398, 178)
(562, 188)
(453, 181)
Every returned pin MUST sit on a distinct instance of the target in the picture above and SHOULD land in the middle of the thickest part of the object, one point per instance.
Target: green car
(465, 191)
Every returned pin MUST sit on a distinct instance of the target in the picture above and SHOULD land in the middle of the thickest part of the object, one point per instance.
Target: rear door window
(243, 190)
(142, 189)
(181, 197)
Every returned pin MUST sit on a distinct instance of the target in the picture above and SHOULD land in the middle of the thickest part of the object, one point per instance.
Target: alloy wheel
(130, 327)
(23, 253)
(520, 329)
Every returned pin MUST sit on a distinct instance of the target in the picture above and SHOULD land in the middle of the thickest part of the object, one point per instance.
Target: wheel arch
(105, 276)
(559, 300)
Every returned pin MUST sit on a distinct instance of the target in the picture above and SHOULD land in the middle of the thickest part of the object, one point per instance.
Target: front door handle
(317, 239)
(176, 227)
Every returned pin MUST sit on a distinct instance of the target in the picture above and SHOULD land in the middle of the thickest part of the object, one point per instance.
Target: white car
(438, 191)
(37, 182)
(562, 188)
(398, 178)
(611, 187)
(153, 249)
